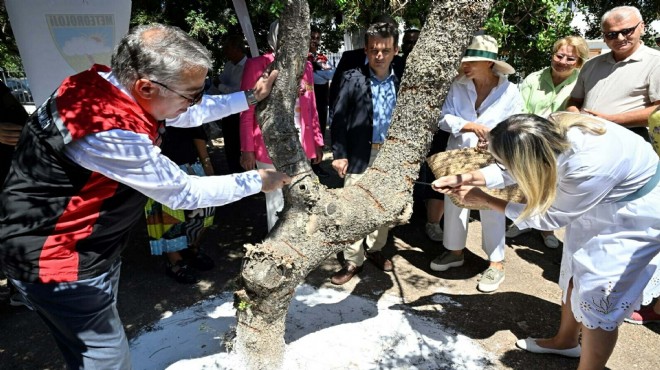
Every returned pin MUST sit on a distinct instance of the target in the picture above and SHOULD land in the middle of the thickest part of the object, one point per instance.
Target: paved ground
(525, 305)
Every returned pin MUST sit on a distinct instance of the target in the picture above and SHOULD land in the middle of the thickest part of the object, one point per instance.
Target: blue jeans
(83, 318)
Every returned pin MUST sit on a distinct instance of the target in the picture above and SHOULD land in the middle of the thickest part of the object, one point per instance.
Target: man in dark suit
(357, 58)
(363, 113)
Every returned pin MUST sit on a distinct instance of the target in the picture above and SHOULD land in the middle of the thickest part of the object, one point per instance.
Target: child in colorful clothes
(177, 233)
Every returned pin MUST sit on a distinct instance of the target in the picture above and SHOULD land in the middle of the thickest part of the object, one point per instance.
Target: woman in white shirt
(479, 98)
(607, 200)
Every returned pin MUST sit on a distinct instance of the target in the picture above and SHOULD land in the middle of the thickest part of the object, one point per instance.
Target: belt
(376, 145)
(650, 185)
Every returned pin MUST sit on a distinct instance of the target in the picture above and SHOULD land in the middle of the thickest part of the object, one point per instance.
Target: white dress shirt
(459, 109)
(132, 159)
(589, 173)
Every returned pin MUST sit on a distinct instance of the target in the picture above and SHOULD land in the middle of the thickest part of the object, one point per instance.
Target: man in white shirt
(83, 167)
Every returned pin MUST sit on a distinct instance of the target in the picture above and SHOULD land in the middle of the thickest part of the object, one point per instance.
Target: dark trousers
(231, 134)
(83, 318)
(321, 93)
(641, 131)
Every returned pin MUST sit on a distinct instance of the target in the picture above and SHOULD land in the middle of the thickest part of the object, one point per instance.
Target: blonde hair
(580, 45)
(528, 146)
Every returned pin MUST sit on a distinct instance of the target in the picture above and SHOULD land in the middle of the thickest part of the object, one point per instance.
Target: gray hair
(620, 13)
(158, 52)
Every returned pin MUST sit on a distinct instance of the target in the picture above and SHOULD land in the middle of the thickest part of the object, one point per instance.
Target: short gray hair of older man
(158, 52)
(619, 14)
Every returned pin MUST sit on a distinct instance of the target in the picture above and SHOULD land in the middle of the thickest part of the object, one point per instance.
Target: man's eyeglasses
(625, 32)
(569, 59)
(191, 100)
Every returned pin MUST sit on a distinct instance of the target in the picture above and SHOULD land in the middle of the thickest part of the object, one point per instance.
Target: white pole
(246, 25)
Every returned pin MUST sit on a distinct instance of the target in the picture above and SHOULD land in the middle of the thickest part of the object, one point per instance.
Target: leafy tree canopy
(526, 29)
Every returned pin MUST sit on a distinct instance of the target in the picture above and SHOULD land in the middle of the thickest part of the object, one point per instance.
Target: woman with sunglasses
(607, 200)
(547, 91)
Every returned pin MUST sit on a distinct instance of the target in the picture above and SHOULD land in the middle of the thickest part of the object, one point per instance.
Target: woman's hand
(319, 155)
(248, 160)
(445, 184)
(471, 195)
(480, 130)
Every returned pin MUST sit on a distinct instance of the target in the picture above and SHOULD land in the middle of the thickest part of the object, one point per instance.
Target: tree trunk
(318, 222)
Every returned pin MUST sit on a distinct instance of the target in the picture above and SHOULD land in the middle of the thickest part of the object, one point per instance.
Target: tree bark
(317, 222)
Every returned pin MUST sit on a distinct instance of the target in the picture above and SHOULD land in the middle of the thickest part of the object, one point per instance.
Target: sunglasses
(191, 100)
(624, 32)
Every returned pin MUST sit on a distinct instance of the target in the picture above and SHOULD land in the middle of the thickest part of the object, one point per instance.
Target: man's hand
(272, 180)
(264, 85)
(340, 165)
(248, 160)
(9, 133)
(319, 155)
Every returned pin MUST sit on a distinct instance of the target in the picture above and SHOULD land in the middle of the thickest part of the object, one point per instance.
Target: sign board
(58, 38)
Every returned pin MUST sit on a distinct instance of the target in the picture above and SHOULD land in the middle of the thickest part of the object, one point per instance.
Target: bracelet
(251, 99)
(206, 160)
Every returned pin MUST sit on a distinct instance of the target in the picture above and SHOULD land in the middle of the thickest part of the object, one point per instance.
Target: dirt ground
(527, 303)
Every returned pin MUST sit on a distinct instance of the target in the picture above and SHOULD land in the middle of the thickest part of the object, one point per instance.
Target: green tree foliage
(527, 29)
(595, 9)
(9, 58)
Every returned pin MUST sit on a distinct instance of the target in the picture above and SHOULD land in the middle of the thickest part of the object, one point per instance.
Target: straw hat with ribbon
(484, 48)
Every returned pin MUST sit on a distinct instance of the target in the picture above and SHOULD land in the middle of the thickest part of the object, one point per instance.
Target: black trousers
(232, 136)
(321, 93)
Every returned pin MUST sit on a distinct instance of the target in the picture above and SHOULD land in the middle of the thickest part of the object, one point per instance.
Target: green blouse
(541, 96)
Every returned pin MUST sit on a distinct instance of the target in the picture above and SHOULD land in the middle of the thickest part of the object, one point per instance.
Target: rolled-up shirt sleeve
(131, 159)
(450, 120)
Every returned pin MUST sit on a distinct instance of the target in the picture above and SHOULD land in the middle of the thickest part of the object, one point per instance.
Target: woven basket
(456, 162)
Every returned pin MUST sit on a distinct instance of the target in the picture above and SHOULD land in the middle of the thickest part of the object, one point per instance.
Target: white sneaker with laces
(491, 280)
(515, 231)
(434, 231)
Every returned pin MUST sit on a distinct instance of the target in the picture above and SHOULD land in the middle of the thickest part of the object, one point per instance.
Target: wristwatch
(251, 99)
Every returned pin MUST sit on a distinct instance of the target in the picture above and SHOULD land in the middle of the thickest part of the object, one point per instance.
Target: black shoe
(319, 171)
(197, 260)
(180, 272)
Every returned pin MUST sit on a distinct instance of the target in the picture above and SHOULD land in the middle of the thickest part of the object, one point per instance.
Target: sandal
(180, 272)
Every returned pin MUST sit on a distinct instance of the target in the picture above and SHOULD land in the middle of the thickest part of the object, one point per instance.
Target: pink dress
(310, 131)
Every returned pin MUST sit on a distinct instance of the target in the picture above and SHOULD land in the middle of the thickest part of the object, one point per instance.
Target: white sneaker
(434, 231)
(515, 231)
(491, 280)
